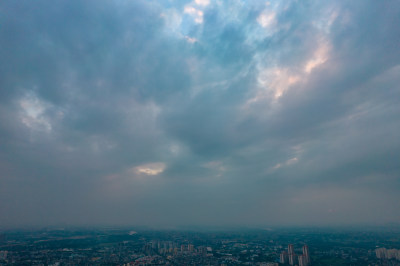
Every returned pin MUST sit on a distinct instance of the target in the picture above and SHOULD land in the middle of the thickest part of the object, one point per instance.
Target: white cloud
(195, 13)
(267, 19)
(292, 161)
(277, 80)
(33, 113)
(172, 20)
(319, 57)
(190, 40)
(202, 2)
(287, 163)
(150, 169)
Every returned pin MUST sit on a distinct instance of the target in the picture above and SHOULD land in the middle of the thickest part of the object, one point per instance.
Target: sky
(178, 113)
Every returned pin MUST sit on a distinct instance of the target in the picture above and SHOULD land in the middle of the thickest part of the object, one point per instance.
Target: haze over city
(199, 113)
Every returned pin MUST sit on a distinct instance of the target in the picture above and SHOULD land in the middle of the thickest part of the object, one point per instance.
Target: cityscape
(200, 132)
(290, 257)
(266, 247)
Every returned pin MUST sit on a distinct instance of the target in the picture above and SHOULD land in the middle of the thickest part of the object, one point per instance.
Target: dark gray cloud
(170, 113)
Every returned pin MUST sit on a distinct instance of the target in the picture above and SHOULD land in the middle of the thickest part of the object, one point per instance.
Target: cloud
(33, 113)
(267, 19)
(202, 2)
(150, 169)
(287, 163)
(219, 112)
(195, 13)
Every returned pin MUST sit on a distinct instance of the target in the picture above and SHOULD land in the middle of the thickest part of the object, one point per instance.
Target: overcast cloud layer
(171, 113)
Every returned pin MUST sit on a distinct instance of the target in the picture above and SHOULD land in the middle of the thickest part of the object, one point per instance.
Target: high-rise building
(306, 254)
(302, 260)
(292, 259)
(291, 255)
(391, 253)
(284, 257)
(183, 248)
(381, 253)
(290, 249)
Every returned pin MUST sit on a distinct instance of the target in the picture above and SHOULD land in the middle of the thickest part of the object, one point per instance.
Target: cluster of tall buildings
(383, 253)
(291, 258)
